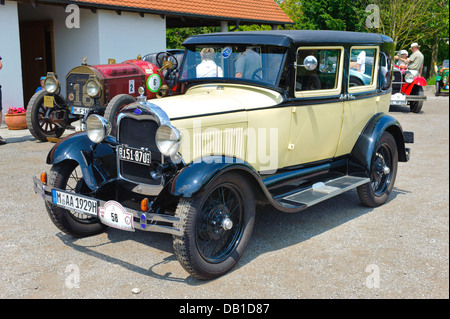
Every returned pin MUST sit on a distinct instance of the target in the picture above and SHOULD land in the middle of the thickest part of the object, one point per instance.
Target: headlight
(97, 128)
(409, 77)
(51, 83)
(444, 80)
(93, 88)
(168, 140)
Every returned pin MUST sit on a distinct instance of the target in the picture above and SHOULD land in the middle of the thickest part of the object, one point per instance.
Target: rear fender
(361, 156)
(79, 148)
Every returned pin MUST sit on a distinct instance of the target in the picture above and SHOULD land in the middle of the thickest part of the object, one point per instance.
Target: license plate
(79, 110)
(48, 101)
(398, 99)
(113, 214)
(134, 155)
(77, 203)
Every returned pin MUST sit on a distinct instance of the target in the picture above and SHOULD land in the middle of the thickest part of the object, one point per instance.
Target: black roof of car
(288, 37)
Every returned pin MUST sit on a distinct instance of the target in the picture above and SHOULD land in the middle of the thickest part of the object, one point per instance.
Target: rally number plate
(113, 214)
(77, 203)
(134, 155)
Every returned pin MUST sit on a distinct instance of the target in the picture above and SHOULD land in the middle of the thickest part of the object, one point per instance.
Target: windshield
(257, 63)
(445, 64)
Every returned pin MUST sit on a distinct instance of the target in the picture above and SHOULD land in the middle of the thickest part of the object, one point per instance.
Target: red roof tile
(257, 10)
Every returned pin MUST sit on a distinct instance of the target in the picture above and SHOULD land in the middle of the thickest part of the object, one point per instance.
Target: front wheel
(39, 119)
(113, 108)
(416, 106)
(68, 176)
(383, 171)
(438, 88)
(217, 226)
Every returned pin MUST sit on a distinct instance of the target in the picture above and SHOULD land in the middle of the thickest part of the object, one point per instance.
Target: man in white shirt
(208, 68)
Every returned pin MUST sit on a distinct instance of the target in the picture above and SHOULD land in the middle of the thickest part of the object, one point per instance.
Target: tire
(113, 108)
(38, 126)
(438, 88)
(416, 106)
(67, 176)
(217, 226)
(377, 191)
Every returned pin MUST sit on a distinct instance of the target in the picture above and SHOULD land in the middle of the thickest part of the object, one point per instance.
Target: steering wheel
(166, 56)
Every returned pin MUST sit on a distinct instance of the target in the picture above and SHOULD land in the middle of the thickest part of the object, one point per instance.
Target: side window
(362, 67)
(325, 76)
(385, 71)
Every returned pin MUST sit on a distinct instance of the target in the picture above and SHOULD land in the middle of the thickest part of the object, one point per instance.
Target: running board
(322, 191)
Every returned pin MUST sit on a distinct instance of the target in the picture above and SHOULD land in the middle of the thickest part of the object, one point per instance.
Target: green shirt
(416, 61)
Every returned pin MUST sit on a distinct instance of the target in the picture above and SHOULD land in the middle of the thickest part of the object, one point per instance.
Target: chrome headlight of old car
(97, 128)
(168, 140)
(409, 77)
(51, 83)
(93, 88)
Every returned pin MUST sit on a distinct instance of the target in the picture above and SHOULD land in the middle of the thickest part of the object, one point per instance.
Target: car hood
(202, 100)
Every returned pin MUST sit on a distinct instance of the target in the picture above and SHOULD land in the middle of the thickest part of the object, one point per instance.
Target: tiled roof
(247, 10)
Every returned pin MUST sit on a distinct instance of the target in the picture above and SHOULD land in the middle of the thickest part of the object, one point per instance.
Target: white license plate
(113, 214)
(77, 203)
(398, 99)
(134, 155)
(79, 110)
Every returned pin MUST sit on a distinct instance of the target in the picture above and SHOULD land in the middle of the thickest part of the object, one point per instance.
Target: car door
(316, 113)
(362, 98)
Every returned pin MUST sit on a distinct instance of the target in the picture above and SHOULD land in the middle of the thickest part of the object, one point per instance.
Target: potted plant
(16, 119)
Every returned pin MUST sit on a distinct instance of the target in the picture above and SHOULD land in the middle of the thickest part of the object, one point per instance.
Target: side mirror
(310, 63)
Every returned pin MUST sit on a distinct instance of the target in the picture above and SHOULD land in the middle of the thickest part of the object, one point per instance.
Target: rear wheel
(39, 121)
(68, 176)
(217, 226)
(382, 173)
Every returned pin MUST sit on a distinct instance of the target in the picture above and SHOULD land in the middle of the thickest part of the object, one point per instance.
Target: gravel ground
(337, 249)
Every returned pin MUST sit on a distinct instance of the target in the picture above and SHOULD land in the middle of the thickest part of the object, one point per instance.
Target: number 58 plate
(113, 214)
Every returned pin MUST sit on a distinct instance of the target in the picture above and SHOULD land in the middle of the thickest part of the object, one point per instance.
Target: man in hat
(415, 61)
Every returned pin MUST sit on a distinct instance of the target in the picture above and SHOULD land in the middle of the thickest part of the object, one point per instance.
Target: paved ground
(337, 249)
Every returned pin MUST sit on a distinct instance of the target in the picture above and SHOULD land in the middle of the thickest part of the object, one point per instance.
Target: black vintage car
(266, 118)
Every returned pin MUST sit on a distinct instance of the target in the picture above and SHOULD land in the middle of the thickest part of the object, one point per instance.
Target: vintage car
(99, 89)
(407, 89)
(441, 77)
(275, 121)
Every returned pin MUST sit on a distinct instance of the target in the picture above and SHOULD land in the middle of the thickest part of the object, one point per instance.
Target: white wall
(101, 35)
(11, 73)
(126, 36)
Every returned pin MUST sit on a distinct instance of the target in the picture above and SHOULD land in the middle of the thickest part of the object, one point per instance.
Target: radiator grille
(139, 134)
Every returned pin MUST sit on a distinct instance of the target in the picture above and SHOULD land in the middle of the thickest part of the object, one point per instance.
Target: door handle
(38, 58)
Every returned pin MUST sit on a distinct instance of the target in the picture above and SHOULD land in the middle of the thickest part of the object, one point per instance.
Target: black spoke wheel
(382, 173)
(68, 176)
(217, 226)
(39, 117)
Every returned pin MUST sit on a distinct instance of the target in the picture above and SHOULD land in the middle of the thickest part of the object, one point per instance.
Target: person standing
(2, 140)
(415, 61)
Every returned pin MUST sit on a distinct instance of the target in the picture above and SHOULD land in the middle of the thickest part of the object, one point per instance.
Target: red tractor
(407, 89)
(100, 89)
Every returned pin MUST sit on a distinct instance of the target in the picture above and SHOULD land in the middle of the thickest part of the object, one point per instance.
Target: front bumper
(146, 221)
(403, 99)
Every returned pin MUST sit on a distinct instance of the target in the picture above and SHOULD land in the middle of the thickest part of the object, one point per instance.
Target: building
(54, 35)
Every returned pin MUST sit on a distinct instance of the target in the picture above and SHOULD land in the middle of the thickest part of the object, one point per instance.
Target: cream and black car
(286, 118)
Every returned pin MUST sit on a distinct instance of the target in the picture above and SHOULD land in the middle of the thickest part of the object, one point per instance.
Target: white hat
(404, 52)
(414, 45)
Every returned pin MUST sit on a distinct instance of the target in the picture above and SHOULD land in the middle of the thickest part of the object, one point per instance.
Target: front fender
(361, 156)
(194, 177)
(78, 147)
(408, 87)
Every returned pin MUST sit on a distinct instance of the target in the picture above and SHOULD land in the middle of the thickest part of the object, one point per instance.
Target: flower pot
(16, 121)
